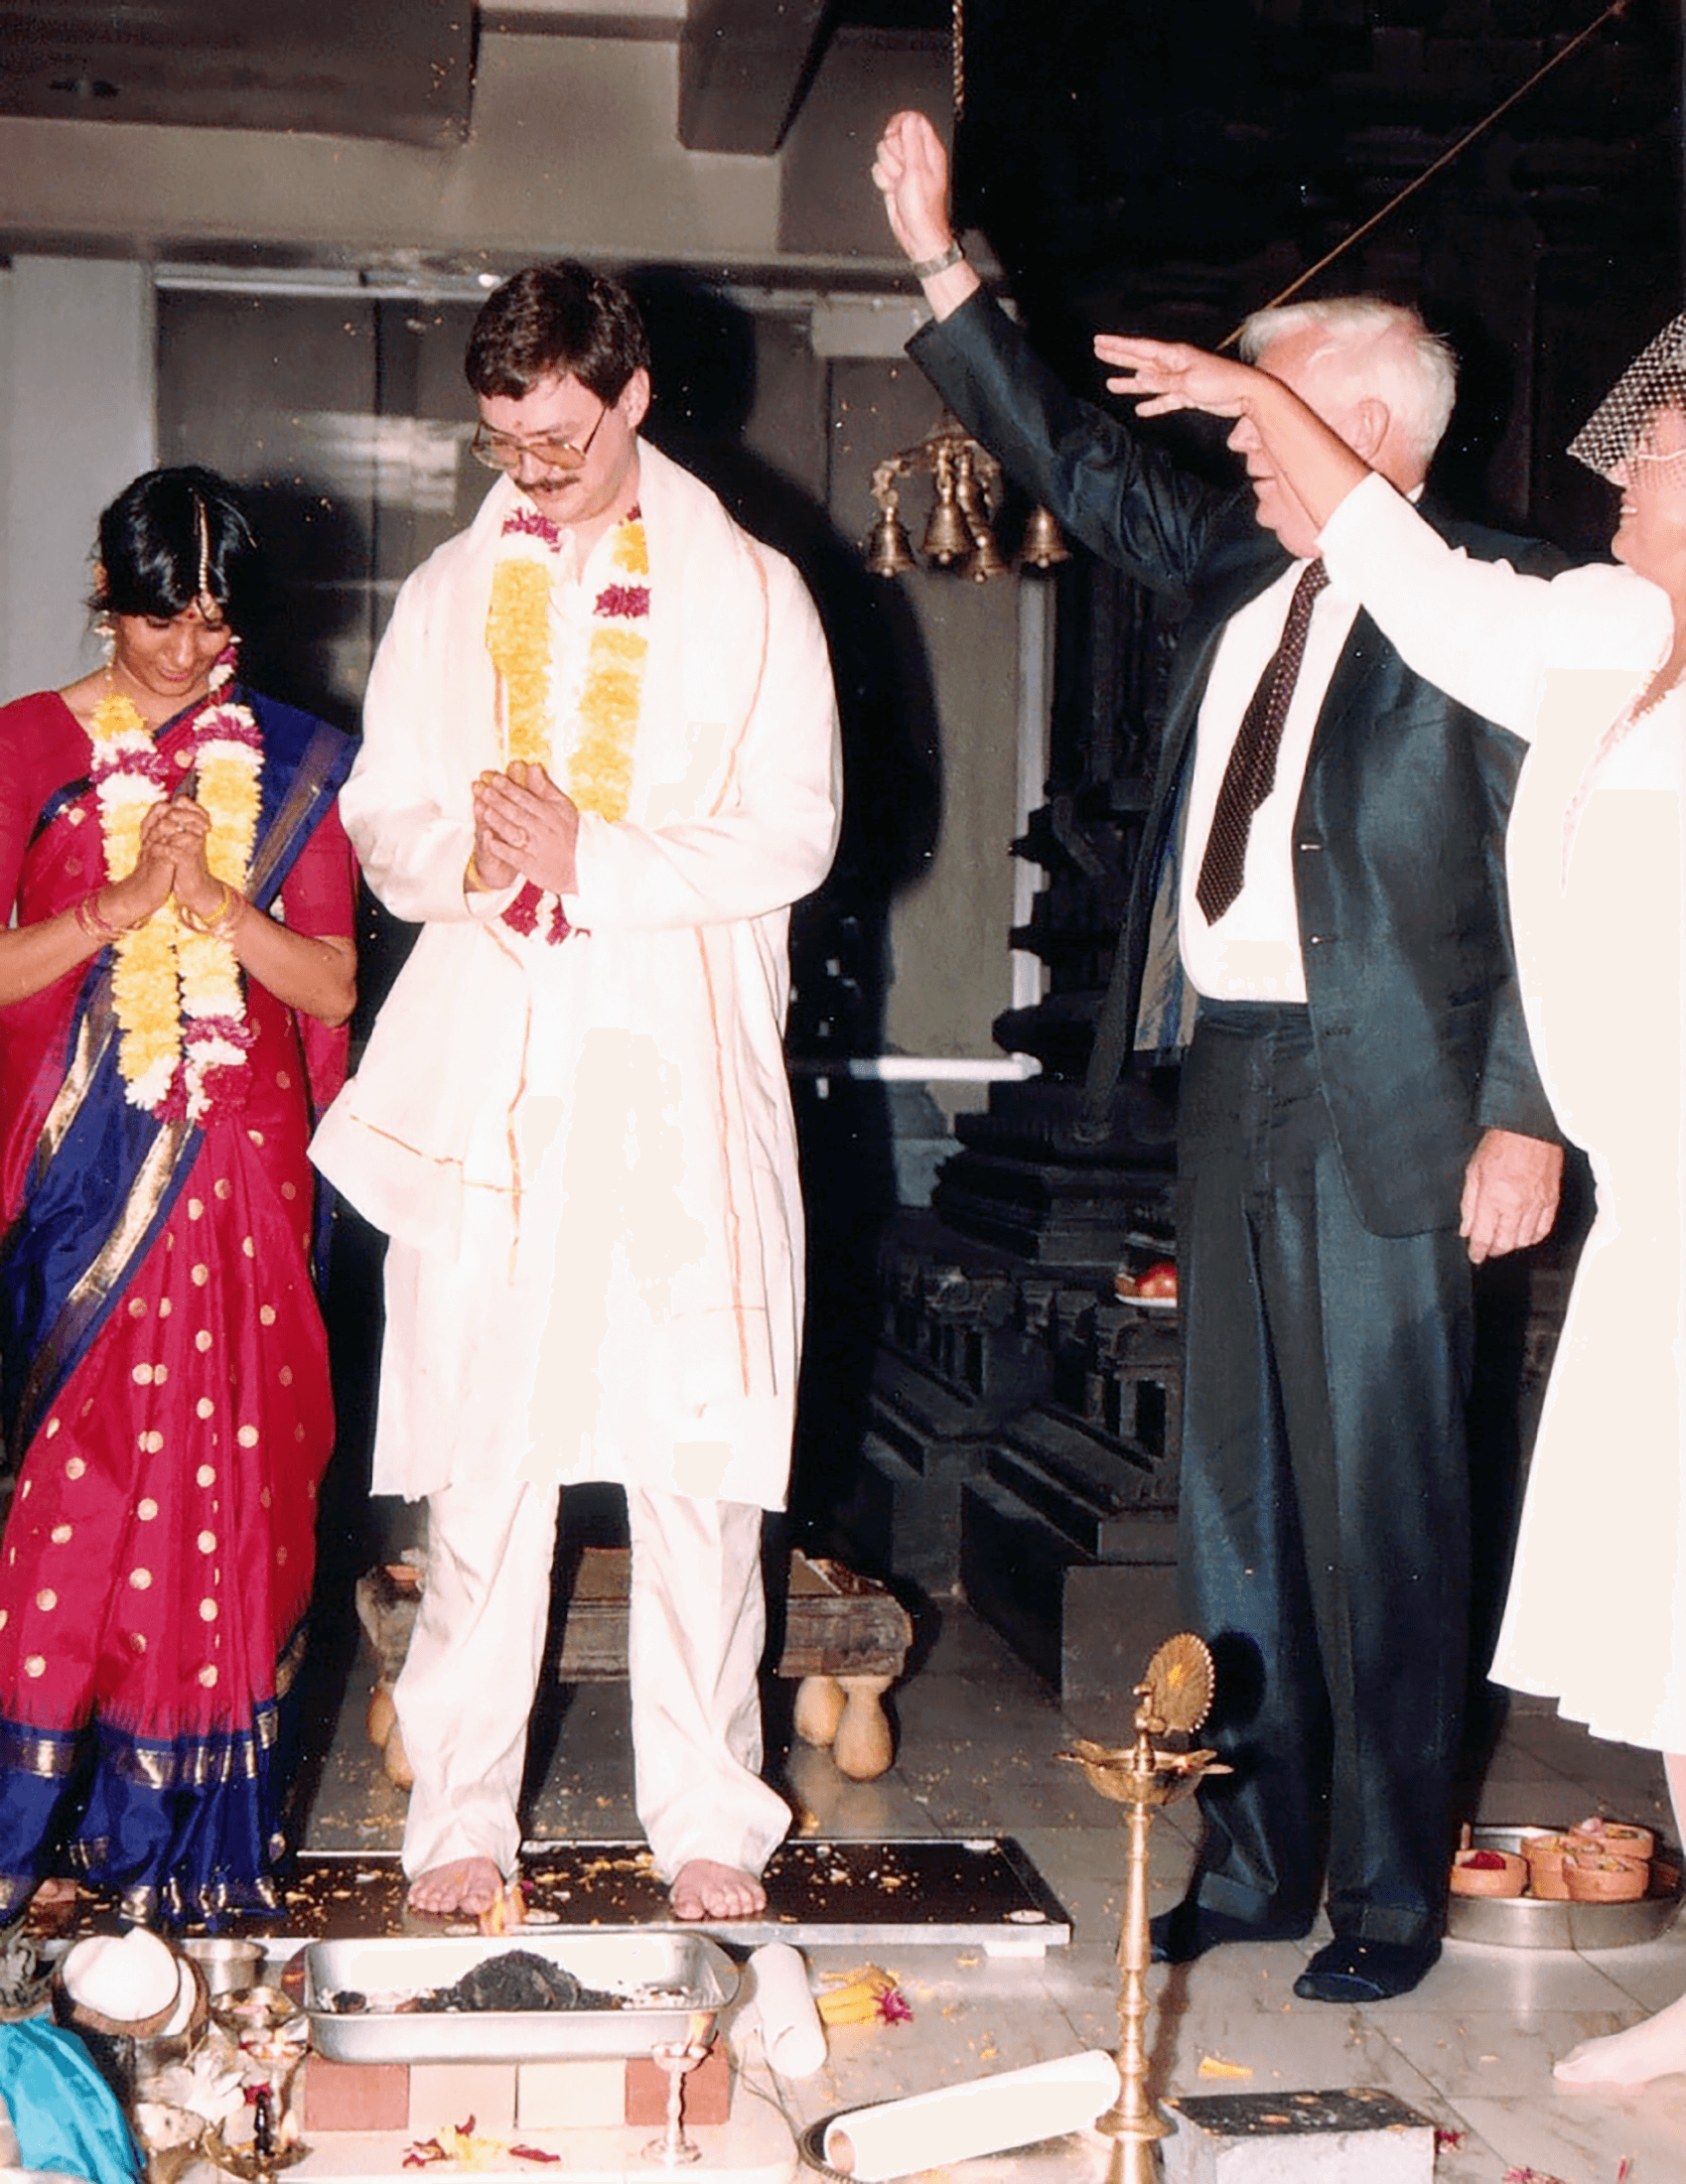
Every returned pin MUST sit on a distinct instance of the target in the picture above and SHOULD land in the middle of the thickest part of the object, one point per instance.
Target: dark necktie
(1250, 775)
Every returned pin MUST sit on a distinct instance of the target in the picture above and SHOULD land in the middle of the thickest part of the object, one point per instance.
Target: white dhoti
(470, 1419)
(697, 1626)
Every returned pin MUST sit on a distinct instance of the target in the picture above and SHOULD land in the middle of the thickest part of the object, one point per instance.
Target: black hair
(170, 535)
(554, 320)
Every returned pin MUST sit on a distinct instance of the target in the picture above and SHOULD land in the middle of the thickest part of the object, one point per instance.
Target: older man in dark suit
(1360, 1121)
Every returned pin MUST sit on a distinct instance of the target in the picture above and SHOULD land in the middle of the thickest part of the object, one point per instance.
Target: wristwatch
(927, 269)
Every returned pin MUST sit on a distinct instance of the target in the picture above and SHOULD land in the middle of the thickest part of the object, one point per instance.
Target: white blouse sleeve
(1482, 631)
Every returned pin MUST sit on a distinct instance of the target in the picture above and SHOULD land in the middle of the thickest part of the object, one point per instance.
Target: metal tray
(1532, 1922)
(618, 1964)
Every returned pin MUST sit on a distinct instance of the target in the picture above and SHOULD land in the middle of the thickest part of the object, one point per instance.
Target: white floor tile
(1471, 2048)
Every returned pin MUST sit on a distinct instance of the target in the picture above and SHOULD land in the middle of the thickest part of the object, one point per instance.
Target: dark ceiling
(395, 68)
(400, 70)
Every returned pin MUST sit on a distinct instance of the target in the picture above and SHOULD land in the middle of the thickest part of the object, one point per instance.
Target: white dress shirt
(1252, 952)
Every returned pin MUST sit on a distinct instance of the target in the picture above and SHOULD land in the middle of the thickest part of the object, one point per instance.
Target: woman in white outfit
(1587, 667)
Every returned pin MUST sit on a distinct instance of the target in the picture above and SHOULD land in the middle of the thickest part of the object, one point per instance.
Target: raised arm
(1480, 628)
(1316, 463)
(1118, 496)
(910, 168)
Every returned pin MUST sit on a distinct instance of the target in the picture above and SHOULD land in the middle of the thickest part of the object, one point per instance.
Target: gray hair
(1384, 352)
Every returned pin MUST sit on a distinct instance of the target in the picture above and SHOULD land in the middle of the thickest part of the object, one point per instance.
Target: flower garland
(176, 993)
(517, 636)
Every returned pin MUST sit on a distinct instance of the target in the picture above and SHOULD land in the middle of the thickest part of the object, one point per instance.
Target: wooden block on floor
(1298, 2138)
(708, 2089)
(584, 2095)
(449, 2092)
(836, 1622)
(355, 2097)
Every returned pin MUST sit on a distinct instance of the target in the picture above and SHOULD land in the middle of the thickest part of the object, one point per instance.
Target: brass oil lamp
(1159, 1768)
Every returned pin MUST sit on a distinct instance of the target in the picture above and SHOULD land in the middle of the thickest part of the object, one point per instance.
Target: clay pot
(820, 1705)
(1618, 1836)
(863, 1747)
(1545, 1855)
(379, 1714)
(1475, 1873)
(395, 1761)
(1593, 1876)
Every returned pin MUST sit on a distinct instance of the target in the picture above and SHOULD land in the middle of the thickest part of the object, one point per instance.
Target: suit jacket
(1399, 832)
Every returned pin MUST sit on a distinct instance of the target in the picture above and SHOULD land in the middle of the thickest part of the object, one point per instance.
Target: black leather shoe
(1348, 1970)
(1189, 1929)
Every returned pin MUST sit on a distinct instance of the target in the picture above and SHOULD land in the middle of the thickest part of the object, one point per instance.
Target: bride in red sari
(173, 996)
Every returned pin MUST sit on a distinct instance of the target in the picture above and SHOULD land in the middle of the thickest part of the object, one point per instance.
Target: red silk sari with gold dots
(157, 1560)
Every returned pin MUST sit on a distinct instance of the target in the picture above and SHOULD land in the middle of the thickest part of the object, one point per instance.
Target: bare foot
(703, 1889)
(1645, 2051)
(462, 1890)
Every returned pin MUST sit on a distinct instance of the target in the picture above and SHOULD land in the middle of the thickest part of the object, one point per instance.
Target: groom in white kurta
(572, 1118)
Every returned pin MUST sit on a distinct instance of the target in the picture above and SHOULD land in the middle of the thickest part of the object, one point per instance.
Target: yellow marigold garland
(177, 993)
(599, 772)
(143, 995)
(599, 767)
(517, 636)
(630, 550)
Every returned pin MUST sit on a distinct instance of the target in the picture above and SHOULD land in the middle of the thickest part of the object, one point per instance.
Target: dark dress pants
(1324, 1515)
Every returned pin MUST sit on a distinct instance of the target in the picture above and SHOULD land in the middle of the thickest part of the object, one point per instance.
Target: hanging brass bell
(1043, 546)
(985, 557)
(889, 551)
(946, 539)
(984, 560)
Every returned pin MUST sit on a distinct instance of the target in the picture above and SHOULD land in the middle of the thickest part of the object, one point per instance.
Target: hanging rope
(1616, 8)
(957, 44)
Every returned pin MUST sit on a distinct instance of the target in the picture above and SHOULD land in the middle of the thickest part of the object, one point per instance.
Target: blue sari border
(178, 1828)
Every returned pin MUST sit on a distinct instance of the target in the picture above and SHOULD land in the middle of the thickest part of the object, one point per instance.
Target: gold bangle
(474, 878)
(222, 921)
(98, 929)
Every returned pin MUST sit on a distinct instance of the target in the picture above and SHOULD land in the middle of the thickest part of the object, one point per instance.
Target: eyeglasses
(499, 453)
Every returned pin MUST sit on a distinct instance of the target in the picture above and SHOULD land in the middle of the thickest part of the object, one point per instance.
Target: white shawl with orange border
(604, 1128)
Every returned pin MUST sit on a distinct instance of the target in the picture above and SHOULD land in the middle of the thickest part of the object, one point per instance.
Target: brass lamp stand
(1174, 1696)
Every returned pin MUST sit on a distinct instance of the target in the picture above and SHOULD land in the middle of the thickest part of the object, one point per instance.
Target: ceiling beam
(398, 69)
(743, 66)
